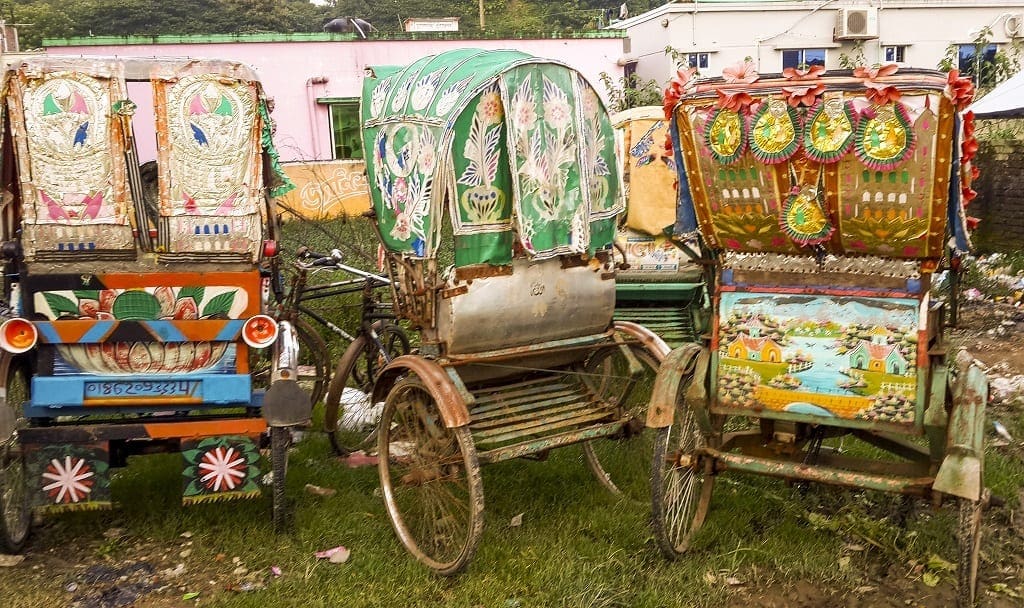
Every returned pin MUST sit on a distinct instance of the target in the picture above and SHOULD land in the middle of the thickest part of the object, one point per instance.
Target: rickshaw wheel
(621, 462)
(430, 477)
(358, 368)
(280, 441)
(969, 549)
(15, 514)
(680, 490)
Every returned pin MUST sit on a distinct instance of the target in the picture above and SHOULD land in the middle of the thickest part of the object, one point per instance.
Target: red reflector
(17, 335)
(259, 331)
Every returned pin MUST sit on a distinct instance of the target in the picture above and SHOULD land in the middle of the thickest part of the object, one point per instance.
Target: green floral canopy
(519, 148)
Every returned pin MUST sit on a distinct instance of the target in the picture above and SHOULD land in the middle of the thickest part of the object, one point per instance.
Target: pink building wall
(295, 74)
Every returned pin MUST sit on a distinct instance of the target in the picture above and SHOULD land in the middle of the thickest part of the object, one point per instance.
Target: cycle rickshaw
(132, 295)
(495, 189)
(827, 202)
(662, 285)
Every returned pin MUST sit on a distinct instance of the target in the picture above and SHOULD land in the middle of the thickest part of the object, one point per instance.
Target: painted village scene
(845, 357)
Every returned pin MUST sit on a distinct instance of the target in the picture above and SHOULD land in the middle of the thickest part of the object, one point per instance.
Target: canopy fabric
(1004, 101)
(497, 137)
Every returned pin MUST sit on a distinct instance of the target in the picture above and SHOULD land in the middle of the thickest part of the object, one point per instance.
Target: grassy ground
(577, 545)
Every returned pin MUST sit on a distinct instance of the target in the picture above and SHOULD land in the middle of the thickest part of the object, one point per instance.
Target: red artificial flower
(975, 172)
(881, 93)
(968, 124)
(959, 90)
(675, 89)
(968, 149)
(972, 222)
(810, 73)
(967, 195)
(743, 72)
(873, 73)
(668, 144)
(737, 101)
(805, 95)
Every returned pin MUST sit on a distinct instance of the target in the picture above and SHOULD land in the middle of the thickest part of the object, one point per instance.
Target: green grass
(577, 545)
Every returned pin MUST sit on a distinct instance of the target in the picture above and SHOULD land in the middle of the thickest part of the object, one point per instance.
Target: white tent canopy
(1004, 101)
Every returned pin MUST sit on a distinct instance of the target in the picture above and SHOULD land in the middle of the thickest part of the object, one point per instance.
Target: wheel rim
(969, 537)
(622, 463)
(681, 487)
(431, 480)
(13, 492)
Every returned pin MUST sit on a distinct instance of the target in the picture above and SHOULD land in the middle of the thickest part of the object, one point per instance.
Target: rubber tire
(15, 513)
(280, 441)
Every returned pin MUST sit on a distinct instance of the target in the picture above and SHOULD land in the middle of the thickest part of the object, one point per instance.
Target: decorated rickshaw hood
(514, 143)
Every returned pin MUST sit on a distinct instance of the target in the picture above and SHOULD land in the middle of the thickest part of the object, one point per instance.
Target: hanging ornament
(884, 137)
(775, 132)
(828, 133)
(725, 136)
(803, 217)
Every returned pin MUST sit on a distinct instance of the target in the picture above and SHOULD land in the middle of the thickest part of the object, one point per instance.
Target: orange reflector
(17, 335)
(259, 331)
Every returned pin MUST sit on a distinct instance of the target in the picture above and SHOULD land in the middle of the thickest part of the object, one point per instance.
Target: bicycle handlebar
(333, 259)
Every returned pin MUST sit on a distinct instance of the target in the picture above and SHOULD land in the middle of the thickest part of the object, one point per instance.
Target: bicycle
(350, 417)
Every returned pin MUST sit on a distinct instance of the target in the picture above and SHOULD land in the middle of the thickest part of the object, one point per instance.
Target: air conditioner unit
(1014, 25)
(856, 23)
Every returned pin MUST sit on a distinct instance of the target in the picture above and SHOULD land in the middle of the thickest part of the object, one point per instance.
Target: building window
(345, 129)
(629, 71)
(977, 61)
(895, 54)
(796, 58)
(697, 60)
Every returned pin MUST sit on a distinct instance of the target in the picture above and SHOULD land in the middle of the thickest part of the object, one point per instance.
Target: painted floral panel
(404, 161)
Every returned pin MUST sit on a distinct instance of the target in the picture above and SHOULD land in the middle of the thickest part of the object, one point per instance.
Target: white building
(713, 34)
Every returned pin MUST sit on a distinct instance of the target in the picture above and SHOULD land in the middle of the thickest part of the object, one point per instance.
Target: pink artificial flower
(810, 73)
(803, 95)
(743, 72)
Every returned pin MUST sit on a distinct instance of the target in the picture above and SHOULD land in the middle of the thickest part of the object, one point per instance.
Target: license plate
(141, 388)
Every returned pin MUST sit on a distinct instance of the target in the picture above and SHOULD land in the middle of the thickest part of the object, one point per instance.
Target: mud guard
(687, 361)
(286, 404)
(962, 469)
(651, 341)
(444, 384)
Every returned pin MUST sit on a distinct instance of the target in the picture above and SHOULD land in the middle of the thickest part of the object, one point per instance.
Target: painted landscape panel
(839, 356)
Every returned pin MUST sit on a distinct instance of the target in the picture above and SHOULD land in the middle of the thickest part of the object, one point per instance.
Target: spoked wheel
(622, 462)
(350, 419)
(314, 361)
(15, 514)
(969, 548)
(680, 486)
(280, 441)
(430, 478)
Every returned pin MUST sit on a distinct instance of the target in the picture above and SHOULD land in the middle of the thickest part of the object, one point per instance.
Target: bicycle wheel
(15, 515)
(622, 462)
(350, 420)
(314, 360)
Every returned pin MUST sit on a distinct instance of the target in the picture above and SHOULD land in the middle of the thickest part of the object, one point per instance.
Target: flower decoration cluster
(960, 91)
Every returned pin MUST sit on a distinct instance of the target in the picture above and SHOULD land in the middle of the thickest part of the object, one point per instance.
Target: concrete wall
(1000, 201)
